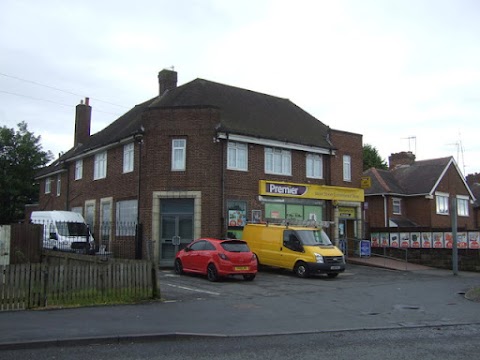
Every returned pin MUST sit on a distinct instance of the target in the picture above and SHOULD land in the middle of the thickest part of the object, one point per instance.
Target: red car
(217, 258)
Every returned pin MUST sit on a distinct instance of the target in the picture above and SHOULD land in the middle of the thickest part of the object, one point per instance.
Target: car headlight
(318, 258)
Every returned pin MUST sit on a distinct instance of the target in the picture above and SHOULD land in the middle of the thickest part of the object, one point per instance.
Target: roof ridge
(380, 179)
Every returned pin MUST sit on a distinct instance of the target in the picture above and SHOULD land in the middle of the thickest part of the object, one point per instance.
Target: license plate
(241, 268)
(334, 267)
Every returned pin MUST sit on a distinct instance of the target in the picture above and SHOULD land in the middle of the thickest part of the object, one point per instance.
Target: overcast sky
(404, 73)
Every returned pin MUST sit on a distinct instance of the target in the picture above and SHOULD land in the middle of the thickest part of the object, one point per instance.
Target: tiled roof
(418, 178)
(243, 112)
(250, 113)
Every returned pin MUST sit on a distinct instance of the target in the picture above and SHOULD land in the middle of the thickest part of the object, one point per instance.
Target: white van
(63, 230)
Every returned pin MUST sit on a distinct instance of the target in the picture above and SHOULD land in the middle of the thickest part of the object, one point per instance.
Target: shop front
(330, 206)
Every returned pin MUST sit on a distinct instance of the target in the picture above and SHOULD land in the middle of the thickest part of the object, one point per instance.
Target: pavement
(220, 318)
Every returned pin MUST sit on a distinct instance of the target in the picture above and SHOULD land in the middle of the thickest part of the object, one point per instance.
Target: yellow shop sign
(307, 191)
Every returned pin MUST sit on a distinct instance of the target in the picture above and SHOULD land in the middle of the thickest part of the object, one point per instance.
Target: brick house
(202, 159)
(411, 204)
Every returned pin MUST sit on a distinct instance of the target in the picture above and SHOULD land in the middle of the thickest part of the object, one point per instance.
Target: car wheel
(301, 270)
(178, 267)
(332, 275)
(212, 273)
(249, 277)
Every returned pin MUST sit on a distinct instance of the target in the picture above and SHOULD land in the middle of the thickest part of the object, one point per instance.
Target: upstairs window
(347, 168)
(100, 166)
(397, 206)
(278, 161)
(48, 185)
(59, 184)
(442, 203)
(462, 205)
(237, 156)
(128, 152)
(179, 150)
(314, 166)
(78, 169)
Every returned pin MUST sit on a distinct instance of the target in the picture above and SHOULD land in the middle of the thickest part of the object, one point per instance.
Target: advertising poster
(394, 240)
(236, 218)
(427, 240)
(438, 240)
(384, 240)
(448, 238)
(462, 240)
(404, 240)
(473, 241)
(375, 239)
(415, 240)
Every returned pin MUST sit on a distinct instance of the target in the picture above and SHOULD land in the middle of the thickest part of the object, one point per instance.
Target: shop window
(237, 213)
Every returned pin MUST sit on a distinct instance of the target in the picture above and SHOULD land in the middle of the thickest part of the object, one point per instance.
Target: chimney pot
(167, 80)
(404, 158)
(83, 119)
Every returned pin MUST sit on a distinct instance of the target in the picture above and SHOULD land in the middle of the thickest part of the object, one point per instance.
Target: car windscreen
(313, 237)
(235, 246)
(66, 228)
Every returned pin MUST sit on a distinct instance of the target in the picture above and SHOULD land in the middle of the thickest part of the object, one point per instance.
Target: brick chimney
(404, 158)
(83, 119)
(167, 80)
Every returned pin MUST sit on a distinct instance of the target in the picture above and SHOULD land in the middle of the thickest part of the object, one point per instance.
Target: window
(78, 169)
(100, 167)
(48, 185)
(90, 213)
(278, 161)
(314, 166)
(59, 184)
(347, 168)
(442, 203)
(397, 208)
(462, 205)
(126, 218)
(178, 154)
(237, 156)
(128, 152)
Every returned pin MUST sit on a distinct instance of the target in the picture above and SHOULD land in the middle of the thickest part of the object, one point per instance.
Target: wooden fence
(27, 286)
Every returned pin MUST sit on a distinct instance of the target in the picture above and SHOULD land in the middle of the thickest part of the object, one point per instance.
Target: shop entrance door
(176, 228)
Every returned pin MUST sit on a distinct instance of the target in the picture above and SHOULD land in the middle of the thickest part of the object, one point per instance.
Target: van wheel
(178, 267)
(332, 275)
(212, 274)
(301, 270)
(249, 277)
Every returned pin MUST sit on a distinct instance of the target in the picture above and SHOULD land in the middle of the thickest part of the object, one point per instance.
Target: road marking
(196, 290)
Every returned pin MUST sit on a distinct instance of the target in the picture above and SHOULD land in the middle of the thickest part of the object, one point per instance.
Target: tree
(21, 155)
(371, 158)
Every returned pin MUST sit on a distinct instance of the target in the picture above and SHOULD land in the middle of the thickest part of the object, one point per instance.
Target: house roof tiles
(243, 112)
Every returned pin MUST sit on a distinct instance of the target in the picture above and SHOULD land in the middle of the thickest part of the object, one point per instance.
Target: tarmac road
(275, 303)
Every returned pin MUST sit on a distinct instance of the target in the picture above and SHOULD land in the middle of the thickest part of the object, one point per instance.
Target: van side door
(292, 248)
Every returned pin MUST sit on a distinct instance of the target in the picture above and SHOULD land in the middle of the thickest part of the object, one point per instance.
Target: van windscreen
(313, 237)
(66, 228)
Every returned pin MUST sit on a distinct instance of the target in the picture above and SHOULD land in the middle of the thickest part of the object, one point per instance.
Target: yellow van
(305, 250)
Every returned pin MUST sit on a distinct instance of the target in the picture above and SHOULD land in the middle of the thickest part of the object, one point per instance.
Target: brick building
(411, 204)
(202, 159)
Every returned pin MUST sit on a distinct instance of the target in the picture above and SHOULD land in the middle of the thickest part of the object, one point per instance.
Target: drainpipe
(224, 228)
(385, 214)
(138, 137)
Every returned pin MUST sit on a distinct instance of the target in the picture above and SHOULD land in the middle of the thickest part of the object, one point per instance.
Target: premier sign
(281, 189)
